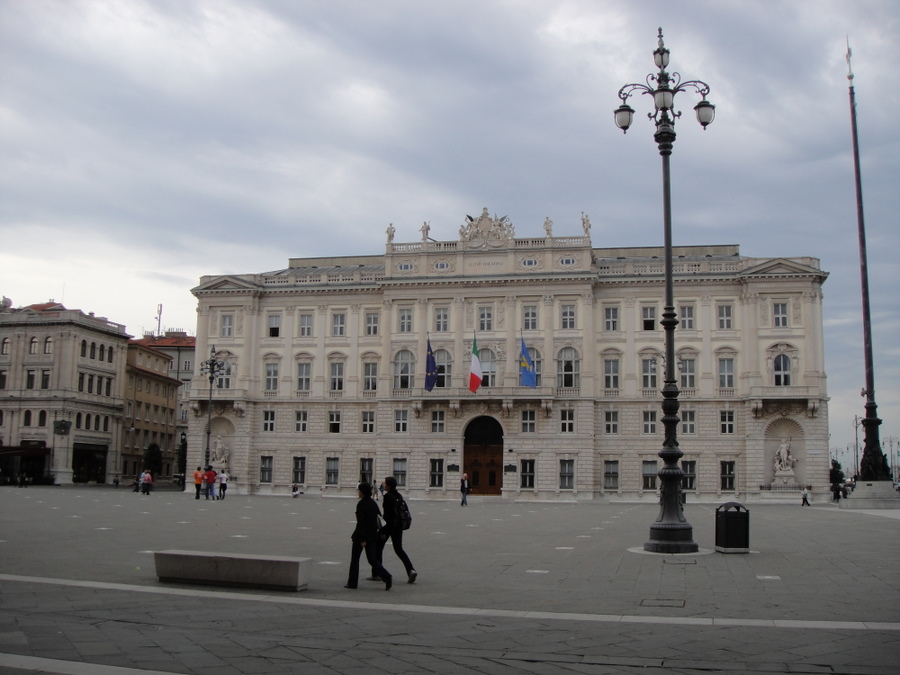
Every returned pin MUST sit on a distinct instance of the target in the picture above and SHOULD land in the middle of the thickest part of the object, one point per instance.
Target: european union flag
(527, 374)
(430, 369)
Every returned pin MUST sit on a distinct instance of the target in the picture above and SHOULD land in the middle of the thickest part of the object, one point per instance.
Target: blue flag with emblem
(430, 368)
(527, 374)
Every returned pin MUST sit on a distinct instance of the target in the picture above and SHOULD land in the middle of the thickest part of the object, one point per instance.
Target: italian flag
(475, 370)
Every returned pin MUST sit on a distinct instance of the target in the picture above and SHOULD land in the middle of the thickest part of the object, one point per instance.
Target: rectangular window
(688, 373)
(366, 470)
(688, 422)
(400, 471)
(265, 468)
(611, 474)
(611, 318)
(725, 318)
(370, 376)
(648, 373)
(780, 314)
(436, 473)
(334, 421)
(529, 317)
(726, 474)
(401, 421)
(567, 421)
(337, 376)
(31, 374)
(611, 421)
(368, 421)
(45, 380)
(2, 379)
(268, 420)
(405, 321)
(529, 421)
(485, 318)
(186, 365)
(648, 474)
(689, 481)
(306, 325)
(686, 315)
(81, 382)
(437, 421)
(271, 377)
(648, 318)
(298, 473)
(649, 422)
(304, 376)
(611, 373)
(527, 480)
(227, 325)
(301, 421)
(726, 373)
(726, 421)
(338, 324)
(566, 474)
(332, 470)
(274, 324)
(567, 317)
(371, 323)
(441, 320)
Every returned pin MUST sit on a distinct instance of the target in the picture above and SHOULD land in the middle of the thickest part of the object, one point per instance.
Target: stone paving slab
(503, 587)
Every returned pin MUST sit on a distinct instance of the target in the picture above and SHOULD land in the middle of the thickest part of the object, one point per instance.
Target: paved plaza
(504, 587)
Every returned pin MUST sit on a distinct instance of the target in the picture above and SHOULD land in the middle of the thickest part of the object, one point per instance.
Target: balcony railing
(783, 392)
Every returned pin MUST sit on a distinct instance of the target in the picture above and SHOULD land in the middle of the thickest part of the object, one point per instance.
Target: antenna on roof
(158, 318)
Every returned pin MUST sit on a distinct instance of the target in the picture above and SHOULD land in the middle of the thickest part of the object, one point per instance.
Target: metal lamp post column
(212, 367)
(670, 533)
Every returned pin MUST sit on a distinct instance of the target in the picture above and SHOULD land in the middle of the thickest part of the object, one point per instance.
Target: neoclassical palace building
(323, 379)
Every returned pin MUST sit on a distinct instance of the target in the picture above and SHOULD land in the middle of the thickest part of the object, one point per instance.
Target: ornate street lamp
(670, 533)
(211, 367)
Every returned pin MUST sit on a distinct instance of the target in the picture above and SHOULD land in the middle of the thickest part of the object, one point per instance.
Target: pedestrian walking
(805, 495)
(464, 489)
(146, 482)
(223, 483)
(199, 476)
(365, 538)
(393, 529)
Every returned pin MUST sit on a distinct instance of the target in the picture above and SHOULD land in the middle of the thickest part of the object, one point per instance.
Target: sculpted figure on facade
(220, 451)
(425, 229)
(390, 233)
(548, 226)
(585, 224)
(784, 460)
(486, 232)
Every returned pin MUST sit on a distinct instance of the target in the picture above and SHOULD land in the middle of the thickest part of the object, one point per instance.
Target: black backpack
(404, 517)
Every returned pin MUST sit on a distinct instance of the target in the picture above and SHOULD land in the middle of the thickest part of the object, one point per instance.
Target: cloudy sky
(146, 143)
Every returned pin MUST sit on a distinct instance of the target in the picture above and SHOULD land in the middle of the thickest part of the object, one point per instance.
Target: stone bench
(233, 569)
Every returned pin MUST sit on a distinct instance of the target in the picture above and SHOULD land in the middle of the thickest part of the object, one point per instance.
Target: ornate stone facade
(327, 360)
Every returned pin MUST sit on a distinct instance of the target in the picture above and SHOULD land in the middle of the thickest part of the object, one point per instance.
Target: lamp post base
(673, 541)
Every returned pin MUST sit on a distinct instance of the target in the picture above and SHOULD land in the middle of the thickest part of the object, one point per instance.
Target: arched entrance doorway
(483, 455)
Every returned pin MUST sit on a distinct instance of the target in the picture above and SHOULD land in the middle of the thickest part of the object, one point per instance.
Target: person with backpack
(396, 519)
(365, 538)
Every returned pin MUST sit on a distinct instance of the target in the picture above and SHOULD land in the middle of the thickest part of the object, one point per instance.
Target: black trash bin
(732, 528)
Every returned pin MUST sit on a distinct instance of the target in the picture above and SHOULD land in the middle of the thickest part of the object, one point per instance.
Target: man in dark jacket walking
(393, 529)
(365, 538)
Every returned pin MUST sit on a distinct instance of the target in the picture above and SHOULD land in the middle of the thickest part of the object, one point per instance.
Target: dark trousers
(397, 541)
(198, 486)
(371, 556)
(222, 488)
